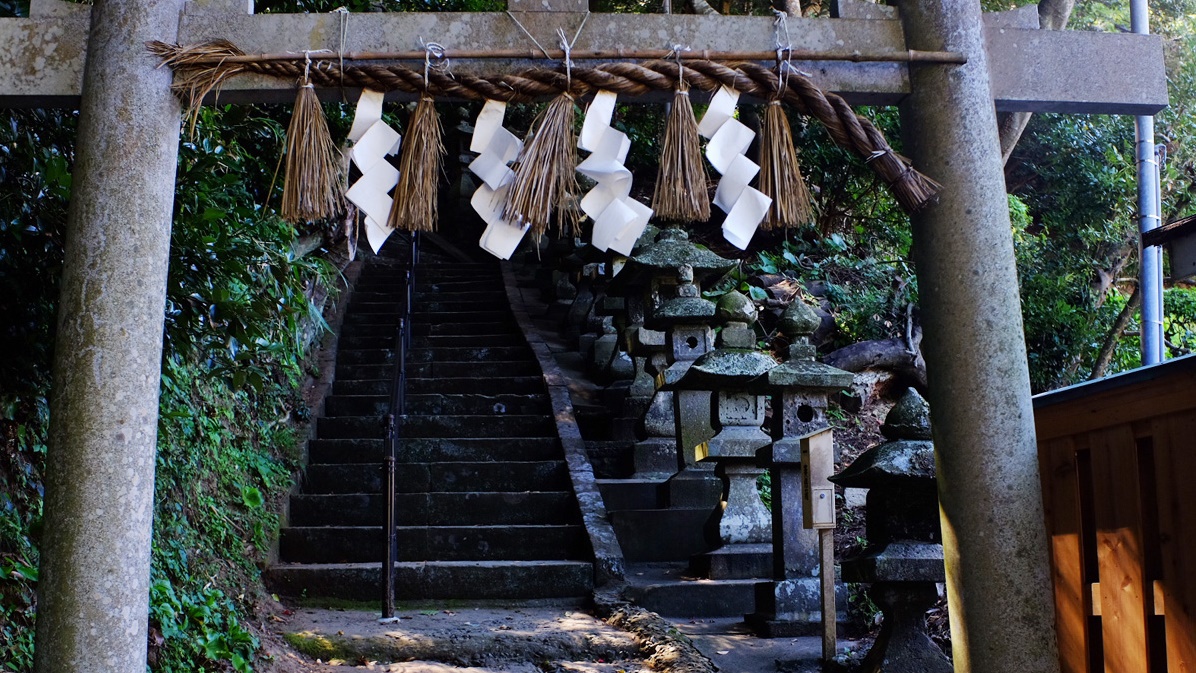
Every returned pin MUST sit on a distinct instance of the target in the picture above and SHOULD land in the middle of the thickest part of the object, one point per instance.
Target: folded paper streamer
(496, 148)
(745, 206)
(619, 220)
(373, 140)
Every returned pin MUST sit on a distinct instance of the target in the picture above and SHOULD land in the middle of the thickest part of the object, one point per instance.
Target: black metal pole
(398, 402)
(388, 563)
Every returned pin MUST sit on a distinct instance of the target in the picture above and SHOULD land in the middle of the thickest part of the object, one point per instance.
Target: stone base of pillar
(745, 519)
(793, 608)
(903, 645)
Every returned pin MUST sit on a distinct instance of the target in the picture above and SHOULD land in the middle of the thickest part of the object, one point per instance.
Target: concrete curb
(609, 565)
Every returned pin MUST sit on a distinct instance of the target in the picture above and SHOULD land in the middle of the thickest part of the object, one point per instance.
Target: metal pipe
(908, 56)
(1149, 216)
(398, 407)
(388, 562)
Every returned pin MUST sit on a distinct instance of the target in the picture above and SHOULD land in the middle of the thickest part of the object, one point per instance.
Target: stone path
(517, 640)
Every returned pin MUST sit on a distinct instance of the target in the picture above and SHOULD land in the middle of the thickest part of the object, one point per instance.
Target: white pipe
(1149, 209)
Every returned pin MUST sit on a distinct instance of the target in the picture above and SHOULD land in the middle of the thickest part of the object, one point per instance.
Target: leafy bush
(240, 312)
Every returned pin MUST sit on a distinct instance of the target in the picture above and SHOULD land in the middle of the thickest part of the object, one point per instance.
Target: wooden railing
(1118, 464)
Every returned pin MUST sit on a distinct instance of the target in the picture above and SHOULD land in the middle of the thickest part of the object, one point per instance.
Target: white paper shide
(496, 148)
(619, 220)
(373, 140)
(744, 205)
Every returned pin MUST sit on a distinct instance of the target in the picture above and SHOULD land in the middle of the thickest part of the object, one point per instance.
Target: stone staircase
(485, 507)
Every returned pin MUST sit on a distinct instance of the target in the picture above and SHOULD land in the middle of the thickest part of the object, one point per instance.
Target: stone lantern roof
(735, 362)
(908, 459)
(687, 308)
(671, 249)
(797, 323)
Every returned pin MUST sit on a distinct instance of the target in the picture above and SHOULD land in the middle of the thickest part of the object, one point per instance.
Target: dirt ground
(425, 640)
(523, 640)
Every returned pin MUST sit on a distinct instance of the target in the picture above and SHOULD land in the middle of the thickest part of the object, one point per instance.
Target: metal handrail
(398, 407)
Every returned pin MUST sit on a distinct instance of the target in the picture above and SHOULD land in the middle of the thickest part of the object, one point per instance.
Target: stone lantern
(737, 374)
(791, 604)
(652, 280)
(686, 320)
(904, 558)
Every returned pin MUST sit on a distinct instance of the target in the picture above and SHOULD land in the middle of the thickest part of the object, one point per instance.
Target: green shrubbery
(241, 309)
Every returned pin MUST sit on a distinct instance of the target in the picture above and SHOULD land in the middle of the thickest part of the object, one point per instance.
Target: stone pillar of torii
(96, 547)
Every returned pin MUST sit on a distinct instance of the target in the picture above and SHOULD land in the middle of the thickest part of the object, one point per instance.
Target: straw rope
(912, 190)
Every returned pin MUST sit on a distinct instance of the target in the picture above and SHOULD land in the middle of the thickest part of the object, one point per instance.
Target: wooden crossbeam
(41, 57)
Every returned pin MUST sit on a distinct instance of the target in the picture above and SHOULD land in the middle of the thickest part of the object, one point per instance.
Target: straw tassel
(681, 191)
(780, 175)
(415, 203)
(312, 188)
(544, 185)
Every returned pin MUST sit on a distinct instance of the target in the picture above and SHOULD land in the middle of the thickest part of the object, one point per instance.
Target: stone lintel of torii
(1032, 70)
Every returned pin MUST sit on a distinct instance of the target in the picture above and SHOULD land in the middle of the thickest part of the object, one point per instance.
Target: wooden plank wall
(1118, 464)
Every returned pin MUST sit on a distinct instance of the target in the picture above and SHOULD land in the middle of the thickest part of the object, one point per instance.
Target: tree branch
(888, 354)
(1119, 325)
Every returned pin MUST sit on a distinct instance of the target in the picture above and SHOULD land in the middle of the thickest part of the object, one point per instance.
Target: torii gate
(99, 490)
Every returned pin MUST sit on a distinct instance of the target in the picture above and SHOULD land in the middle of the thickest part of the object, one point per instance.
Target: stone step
(380, 280)
(445, 426)
(673, 534)
(381, 289)
(479, 352)
(611, 459)
(495, 340)
(634, 494)
(435, 450)
(385, 340)
(531, 425)
(371, 293)
(508, 581)
(734, 561)
(436, 509)
(366, 372)
(447, 324)
(465, 273)
(358, 544)
(481, 371)
(358, 305)
(429, 316)
(434, 304)
(350, 330)
(363, 356)
(390, 320)
(444, 477)
(673, 594)
(350, 427)
(362, 386)
(356, 405)
(494, 386)
(477, 404)
(484, 370)
(490, 293)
